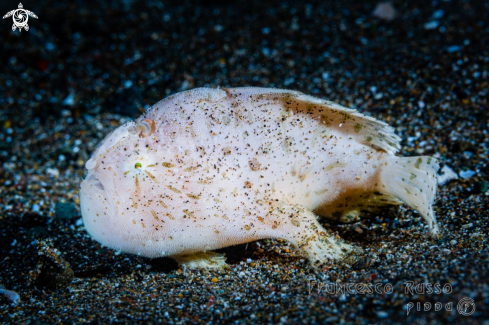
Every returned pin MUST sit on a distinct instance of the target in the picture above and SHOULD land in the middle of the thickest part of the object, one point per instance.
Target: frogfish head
(115, 176)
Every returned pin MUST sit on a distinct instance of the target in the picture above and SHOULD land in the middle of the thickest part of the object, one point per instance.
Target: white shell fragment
(11, 295)
(209, 168)
(447, 174)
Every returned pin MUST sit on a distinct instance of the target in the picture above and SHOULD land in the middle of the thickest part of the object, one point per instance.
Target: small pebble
(385, 11)
(65, 210)
(466, 174)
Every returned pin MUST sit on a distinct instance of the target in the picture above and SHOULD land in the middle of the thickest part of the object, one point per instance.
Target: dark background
(84, 67)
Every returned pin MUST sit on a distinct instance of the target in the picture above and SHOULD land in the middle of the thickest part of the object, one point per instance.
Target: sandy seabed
(84, 68)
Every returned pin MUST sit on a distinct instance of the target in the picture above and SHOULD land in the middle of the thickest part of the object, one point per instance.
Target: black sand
(85, 67)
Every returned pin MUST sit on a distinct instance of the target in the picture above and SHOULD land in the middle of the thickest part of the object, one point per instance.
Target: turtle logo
(20, 17)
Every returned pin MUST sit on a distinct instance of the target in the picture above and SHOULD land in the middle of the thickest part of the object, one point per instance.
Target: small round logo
(466, 306)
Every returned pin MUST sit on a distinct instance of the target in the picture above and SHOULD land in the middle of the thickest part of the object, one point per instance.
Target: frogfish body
(209, 168)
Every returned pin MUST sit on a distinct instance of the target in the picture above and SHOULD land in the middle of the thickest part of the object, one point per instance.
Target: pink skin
(207, 169)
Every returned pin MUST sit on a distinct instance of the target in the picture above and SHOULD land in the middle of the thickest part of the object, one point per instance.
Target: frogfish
(209, 168)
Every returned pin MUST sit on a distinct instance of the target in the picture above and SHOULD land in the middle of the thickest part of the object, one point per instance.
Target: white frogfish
(210, 168)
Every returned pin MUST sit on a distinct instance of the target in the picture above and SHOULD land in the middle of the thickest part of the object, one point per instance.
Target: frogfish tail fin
(413, 180)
